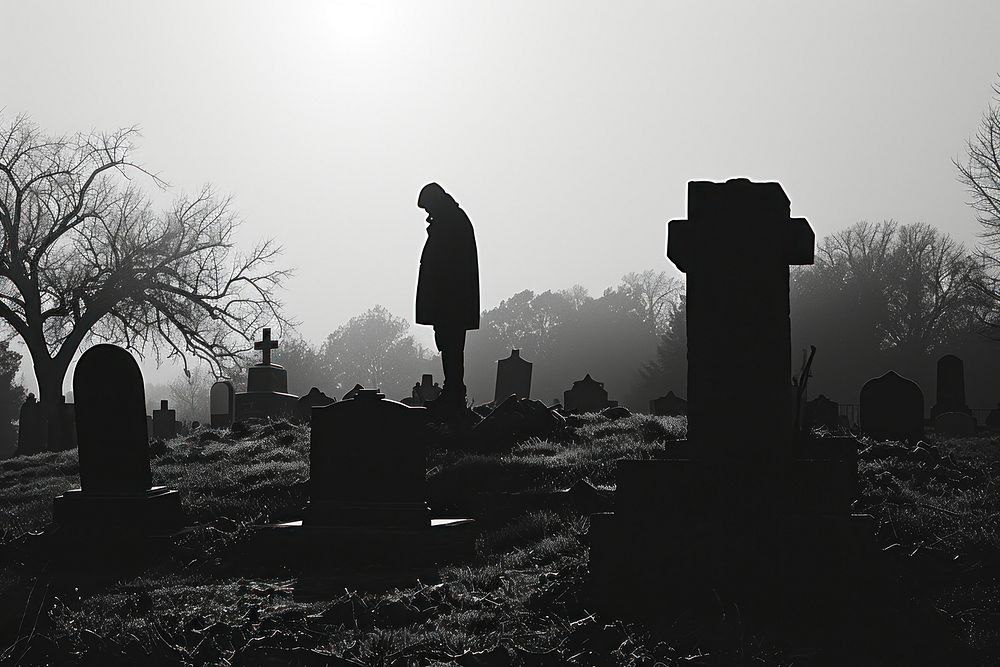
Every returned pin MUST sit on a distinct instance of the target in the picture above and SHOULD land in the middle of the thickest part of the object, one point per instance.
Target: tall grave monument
(267, 394)
(116, 486)
(739, 507)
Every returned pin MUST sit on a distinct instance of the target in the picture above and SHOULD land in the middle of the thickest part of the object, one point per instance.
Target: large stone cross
(735, 248)
(265, 346)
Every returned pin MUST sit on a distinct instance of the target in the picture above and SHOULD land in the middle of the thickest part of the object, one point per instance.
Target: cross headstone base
(776, 536)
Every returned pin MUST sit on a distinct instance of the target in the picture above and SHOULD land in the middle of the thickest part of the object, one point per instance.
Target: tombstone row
(367, 465)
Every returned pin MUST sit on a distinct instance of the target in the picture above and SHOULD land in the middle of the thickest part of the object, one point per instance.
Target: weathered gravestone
(115, 479)
(955, 424)
(367, 495)
(822, 412)
(587, 395)
(513, 378)
(950, 386)
(30, 427)
(670, 405)
(267, 394)
(314, 399)
(428, 390)
(892, 408)
(222, 404)
(738, 509)
(165, 422)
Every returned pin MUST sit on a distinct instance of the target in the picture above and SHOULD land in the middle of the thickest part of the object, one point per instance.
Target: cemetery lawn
(521, 600)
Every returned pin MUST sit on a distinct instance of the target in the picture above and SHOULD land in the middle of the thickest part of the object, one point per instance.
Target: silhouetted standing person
(448, 287)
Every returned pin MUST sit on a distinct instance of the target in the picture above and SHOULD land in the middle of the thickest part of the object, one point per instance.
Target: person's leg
(451, 343)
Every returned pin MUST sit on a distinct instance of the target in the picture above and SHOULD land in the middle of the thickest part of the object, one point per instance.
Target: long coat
(448, 286)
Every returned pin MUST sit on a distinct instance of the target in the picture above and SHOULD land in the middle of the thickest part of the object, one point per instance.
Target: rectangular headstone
(367, 460)
(513, 378)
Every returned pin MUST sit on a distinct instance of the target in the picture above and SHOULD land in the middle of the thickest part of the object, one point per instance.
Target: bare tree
(84, 255)
(655, 293)
(190, 393)
(980, 173)
(934, 291)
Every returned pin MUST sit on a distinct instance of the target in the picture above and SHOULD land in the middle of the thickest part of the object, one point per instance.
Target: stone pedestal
(153, 512)
(266, 396)
(774, 536)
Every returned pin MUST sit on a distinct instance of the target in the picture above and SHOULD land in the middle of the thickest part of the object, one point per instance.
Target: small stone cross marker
(265, 346)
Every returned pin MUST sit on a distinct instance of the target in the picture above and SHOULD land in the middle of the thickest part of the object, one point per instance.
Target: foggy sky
(566, 129)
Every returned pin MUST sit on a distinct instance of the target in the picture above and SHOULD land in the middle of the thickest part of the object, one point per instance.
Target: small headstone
(314, 399)
(427, 391)
(164, 422)
(30, 427)
(670, 405)
(822, 412)
(267, 394)
(513, 377)
(955, 425)
(892, 408)
(115, 477)
(587, 395)
(367, 463)
(221, 402)
(62, 432)
(950, 386)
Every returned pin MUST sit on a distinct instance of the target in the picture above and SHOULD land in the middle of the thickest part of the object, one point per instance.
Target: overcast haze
(567, 130)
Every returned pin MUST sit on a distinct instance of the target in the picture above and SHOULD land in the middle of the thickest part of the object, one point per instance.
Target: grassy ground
(519, 601)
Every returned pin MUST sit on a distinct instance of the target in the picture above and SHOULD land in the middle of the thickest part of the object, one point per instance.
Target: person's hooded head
(433, 198)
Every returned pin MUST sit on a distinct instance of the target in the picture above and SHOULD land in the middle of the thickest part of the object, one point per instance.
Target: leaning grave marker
(740, 507)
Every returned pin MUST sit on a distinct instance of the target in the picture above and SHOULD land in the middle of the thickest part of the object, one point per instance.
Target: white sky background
(566, 129)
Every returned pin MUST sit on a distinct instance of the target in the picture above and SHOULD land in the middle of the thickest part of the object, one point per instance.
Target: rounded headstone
(111, 422)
